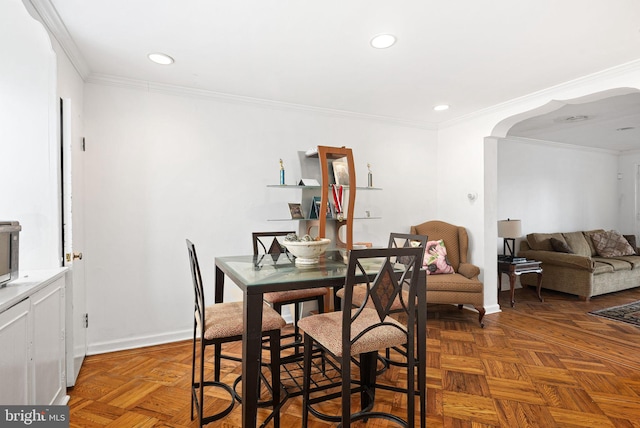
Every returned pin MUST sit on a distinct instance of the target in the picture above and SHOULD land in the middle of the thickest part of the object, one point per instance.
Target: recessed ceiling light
(383, 41)
(160, 58)
(441, 107)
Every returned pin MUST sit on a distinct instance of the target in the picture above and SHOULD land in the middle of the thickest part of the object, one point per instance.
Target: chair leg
(201, 384)
(217, 351)
(481, 312)
(321, 311)
(345, 366)
(296, 330)
(193, 370)
(275, 375)
(368, 370)
(306, 382)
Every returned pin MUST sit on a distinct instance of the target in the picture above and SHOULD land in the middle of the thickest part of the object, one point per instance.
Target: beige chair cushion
(225, 320)
(326, 329)
(286, 296)
(453, 282)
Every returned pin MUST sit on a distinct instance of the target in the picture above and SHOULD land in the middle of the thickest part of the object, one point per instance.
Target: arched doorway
(568, 165)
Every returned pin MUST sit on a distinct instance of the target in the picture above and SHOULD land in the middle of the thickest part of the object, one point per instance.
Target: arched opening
(567, 165)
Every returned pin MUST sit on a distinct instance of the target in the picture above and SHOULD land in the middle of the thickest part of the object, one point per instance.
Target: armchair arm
(573, 261)
(468, 270)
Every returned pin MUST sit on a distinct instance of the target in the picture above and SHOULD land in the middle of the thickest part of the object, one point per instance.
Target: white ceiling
(467, 53)
(612, 123)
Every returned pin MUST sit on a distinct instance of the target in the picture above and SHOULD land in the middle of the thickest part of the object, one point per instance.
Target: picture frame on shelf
(341, 172)
(296, 210)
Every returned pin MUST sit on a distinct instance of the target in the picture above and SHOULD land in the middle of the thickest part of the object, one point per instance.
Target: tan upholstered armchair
(462, 287)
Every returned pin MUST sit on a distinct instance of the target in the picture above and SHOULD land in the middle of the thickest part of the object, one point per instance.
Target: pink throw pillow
(435, 258)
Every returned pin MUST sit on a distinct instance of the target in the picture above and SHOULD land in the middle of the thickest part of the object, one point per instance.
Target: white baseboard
(138, 342)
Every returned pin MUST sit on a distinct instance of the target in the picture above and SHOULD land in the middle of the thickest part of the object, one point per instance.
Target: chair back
(455, 239)
(384, 279)
(407, 240)
(198, 289)
(268, 242)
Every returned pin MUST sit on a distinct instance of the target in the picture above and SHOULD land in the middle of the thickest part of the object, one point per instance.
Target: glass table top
(272, 269)
(279, 269)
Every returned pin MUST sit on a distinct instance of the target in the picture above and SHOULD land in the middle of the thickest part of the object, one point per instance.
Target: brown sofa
(583, 273)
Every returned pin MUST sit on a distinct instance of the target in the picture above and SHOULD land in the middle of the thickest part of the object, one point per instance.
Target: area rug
(629, 313)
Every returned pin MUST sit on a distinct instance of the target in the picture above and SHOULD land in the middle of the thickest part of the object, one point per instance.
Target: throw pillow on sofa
(435, 258)
(611, 244)
(560, 247)
(631, 239)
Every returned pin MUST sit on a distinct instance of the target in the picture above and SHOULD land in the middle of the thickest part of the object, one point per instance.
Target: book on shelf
(314, 209)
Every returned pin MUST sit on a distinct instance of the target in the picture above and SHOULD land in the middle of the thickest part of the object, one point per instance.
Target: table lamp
(509, 230)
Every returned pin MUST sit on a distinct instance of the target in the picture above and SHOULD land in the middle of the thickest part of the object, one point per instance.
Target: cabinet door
(15, 361)
(48, 315)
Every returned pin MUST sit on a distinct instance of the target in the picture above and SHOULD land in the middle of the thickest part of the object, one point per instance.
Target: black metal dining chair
(396, 240)
(364, 330)
(216, 325)
(270, 243)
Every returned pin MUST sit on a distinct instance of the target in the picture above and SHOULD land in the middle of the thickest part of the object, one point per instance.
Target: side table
(514, 269)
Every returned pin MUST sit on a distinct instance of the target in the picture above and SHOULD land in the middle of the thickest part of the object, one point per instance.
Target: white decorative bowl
(307, 252)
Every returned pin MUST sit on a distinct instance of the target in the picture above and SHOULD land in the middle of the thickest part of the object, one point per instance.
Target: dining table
(259, 274)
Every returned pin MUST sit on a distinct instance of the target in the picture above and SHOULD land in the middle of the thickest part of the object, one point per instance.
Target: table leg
(539, 286)
(512, 285)
(219, 286)
(422, 349)
(499, 284)
(251, 352)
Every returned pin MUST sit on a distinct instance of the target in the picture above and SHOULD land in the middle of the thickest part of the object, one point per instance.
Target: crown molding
(110, 80)
(609, 73)
(555, 144)
(48, 15)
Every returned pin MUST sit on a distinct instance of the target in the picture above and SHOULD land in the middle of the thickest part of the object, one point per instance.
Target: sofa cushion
(541, 241)
(435, 258)
(602, 268)
(615, 263)
(634, 261)
(587, 235)
(631, 239)
(611, 244)
(560, 247)
(578, 243)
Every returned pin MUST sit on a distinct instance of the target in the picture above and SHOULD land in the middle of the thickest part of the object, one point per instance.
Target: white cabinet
(48, 356)
(32, 339)
(15, 360)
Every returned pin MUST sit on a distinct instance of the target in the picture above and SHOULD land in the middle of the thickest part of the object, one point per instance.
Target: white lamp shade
(509, 228)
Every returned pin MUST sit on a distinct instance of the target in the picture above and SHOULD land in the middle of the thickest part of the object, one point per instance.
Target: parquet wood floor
(539, 364)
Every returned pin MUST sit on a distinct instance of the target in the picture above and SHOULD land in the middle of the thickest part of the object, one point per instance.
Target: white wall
(556, 188)
(628, 223)
(161, 168)
(28, 141)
